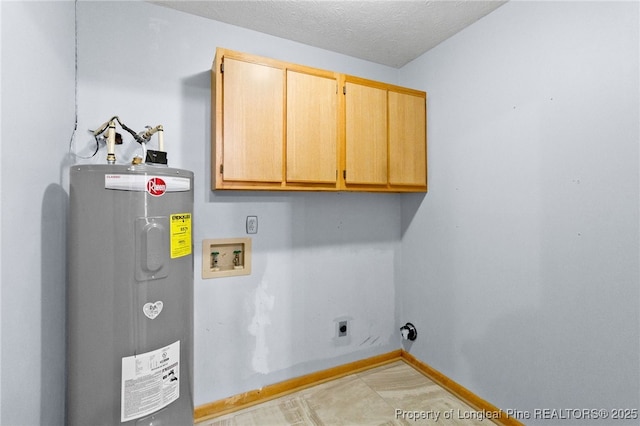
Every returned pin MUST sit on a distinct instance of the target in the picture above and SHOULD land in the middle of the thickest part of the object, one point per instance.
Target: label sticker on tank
(150, 381)
(152, 310)
(154, 185)
(180, 235)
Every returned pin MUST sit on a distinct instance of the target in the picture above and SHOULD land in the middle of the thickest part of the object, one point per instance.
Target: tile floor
(393, 394)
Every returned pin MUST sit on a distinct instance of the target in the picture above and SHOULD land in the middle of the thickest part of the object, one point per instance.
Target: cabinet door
(253, 103)
(366, 135)
(407, 139)
(312, 128)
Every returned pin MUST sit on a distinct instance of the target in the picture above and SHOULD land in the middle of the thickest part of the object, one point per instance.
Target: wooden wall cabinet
(282, 126)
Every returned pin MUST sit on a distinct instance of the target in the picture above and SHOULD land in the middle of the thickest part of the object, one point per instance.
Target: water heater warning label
(150, 381)
(180, 235)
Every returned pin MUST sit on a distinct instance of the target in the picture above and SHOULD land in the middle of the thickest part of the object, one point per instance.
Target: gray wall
(38, 116)
(317, 257)
(520, 268)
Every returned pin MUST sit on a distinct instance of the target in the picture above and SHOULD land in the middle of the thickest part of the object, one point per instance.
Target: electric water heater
(130, 296)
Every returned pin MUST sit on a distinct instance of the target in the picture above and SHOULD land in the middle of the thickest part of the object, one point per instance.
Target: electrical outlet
(252, 224)
(342, 336)
(343, 331)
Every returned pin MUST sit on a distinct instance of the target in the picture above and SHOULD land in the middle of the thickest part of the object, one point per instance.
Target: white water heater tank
(130, 296)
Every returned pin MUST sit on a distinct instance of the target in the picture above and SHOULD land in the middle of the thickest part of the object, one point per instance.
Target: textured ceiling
(386, 32)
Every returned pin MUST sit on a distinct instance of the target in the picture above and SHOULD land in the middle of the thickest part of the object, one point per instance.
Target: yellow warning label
(180, 235)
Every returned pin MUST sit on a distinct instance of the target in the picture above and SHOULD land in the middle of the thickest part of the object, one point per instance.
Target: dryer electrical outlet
(343, 330)
(342, 334)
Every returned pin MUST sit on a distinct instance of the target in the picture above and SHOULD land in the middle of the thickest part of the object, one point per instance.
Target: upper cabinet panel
(366, 135)
(283, 126)
(407, 139)
(253, 110)
(312, 128)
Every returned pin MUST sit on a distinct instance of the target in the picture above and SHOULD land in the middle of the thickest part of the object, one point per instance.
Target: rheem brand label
(156, 186)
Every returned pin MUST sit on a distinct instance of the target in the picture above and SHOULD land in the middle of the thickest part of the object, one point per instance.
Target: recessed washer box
(226, 257)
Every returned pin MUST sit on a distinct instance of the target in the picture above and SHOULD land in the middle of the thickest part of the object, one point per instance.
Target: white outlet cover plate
(252, 224)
